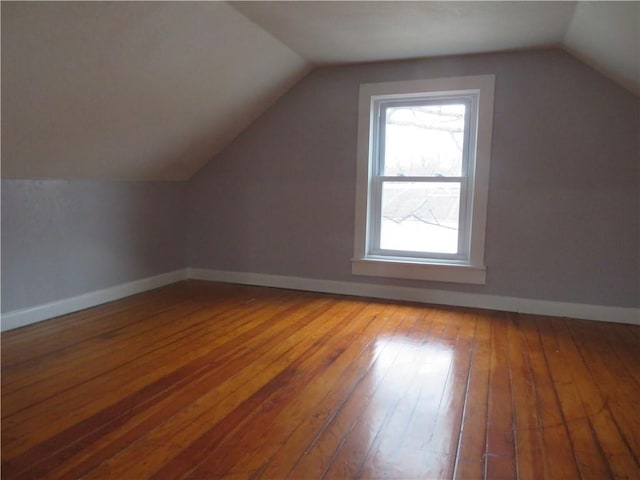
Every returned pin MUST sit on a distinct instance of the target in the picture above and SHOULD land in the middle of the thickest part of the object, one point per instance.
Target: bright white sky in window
(422, 141)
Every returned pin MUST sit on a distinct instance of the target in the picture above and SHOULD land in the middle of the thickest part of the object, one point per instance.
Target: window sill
(419, 270)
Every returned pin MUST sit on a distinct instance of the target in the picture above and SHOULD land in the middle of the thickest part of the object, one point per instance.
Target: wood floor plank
(613, 379)
(77, 365)
(434, 439)
(224, 404)
(605, 429)
(306, 413)
(500, 453)
(370, 448)
(469, 462)
(128, 380)
(576, 414)
(207, 380)
(153, 403)
(560, 460)
(42, 338)
(324, 366)
(421, 434)
(530, 447)
(390, 321)
(318, 455)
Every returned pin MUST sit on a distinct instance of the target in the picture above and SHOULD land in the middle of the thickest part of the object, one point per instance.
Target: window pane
(420, 217)
(424, 140)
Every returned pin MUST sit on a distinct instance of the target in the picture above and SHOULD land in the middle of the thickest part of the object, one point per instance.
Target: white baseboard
(422, 295)
(27, 316)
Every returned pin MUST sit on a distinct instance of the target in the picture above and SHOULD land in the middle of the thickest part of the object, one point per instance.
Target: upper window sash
(380, 104)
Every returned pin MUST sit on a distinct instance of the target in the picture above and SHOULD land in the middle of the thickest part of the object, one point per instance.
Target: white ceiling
(346, 32)
(604, 34)
(153, 90)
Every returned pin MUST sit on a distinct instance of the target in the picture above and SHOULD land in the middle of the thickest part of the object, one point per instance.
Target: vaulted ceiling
(153, 90)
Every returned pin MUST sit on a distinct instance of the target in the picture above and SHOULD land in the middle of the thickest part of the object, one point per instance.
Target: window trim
(471, 270)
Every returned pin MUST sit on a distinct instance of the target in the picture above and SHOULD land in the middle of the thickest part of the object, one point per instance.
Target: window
(423, 173)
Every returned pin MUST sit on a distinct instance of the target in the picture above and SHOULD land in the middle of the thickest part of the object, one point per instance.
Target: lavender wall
(65, 238)
(563, 220)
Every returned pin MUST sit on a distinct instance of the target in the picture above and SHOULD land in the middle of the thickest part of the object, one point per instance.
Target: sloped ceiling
(131, 90)
(153, 90)
(606, 35)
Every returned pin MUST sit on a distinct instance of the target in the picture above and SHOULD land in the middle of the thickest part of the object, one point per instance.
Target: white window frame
(468, 265)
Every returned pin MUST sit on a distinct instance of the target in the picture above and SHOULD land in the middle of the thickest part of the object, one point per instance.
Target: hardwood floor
(204, 380)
